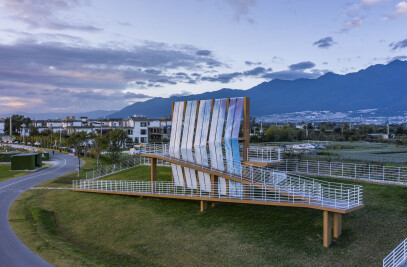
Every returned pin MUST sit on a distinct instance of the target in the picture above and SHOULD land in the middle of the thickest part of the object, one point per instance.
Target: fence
(121, 166)
(366, 172)
(280, 188)
(397, 257)
(255, 153)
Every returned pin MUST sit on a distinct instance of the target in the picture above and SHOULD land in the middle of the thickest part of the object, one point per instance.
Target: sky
(82, 55)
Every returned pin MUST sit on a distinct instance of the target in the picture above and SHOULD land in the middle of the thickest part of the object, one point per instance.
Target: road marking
(19, 181)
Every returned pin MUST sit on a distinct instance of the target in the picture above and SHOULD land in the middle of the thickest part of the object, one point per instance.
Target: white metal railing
(262, 153)
(397, 257)
(263, 176)
(121, 166)
(291, 190)
(366, 172)
(255, 153)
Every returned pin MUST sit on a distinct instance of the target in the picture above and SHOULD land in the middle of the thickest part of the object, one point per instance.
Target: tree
(77, 140)
(16, 122)
(34, 131)
(99, 142)
(117, 138)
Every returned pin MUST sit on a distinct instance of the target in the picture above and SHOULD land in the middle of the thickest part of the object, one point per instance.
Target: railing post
(369, 172)
(399, 181)
(330, 168)
(383, 173)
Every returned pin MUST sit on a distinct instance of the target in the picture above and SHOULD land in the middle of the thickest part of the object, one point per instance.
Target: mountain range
(381, 87)
(96, 114)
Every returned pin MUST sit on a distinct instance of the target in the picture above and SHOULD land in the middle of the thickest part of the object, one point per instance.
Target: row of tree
(329, 132)
(112, 142)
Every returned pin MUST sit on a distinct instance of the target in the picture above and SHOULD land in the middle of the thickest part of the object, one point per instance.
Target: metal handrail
(366, 172)
(301, 186)
(282, 194)
(397, 257)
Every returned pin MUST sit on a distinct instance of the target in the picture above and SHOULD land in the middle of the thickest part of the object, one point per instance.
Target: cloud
(325, 42)
(203, 52)
(397, 58)
(372, 2)
(294, 74)
(222, 78)
(45, 14)
(302, 65)
(228, 77)
(250, 63)
(399, 45)
(400, 10)
(64, 70)
(241, 9)
(351, 24)
(255, 71)
(183, 93)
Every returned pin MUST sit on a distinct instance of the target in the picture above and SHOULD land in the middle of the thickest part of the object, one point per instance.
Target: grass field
(6, 174)
(72, 228)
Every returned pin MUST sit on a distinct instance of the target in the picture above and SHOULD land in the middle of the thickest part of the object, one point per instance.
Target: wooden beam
(327, 228)
(262, 164)
(204, 205)
(337, 225)
(246, 127)
(172, 110)
(153, 173)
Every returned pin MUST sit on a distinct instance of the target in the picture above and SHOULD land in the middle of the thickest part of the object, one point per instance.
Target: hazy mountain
(379, 86)
(96, 114)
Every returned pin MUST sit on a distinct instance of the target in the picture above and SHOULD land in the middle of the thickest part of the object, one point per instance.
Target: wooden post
(327, 228)
(213, 204)
(246, 127)
(153, 173)
(204, 205)
(337, 225)
(214, 181)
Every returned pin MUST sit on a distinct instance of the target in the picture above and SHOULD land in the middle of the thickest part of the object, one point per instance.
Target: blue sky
(82, 55)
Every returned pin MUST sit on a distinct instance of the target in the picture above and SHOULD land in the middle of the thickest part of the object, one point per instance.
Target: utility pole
(60, 137)
(11, 127)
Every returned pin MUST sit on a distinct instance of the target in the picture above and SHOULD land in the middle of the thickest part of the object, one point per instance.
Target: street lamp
(23, 132)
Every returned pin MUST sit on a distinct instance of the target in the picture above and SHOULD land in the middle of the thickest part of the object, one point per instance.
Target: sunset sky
(74, 56)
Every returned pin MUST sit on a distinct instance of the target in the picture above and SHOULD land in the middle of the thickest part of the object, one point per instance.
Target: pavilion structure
(212, 161)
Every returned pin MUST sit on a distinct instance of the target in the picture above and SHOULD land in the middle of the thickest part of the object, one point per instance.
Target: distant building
(139, 129)
(379, 136)
(2, 123)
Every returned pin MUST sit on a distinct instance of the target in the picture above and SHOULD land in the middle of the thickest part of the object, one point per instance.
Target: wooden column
(204, 205)
(337, 225)
(327, 228)
(214, 181)
(246, 127)
(153, 173)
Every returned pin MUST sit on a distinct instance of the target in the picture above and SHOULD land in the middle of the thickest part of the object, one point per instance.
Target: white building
(2, 123)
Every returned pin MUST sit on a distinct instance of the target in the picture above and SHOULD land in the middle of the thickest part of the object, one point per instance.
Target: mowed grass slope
(76, 228)
(6, 174)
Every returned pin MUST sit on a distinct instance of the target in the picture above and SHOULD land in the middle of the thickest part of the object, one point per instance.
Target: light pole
(60, 137)
(23, 132)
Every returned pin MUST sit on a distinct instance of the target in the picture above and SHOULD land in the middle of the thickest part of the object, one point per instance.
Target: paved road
(12, 251)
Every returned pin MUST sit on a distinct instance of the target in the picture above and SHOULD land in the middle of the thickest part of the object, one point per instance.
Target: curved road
(12, 251)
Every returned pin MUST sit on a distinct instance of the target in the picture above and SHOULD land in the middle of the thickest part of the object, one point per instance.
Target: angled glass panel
(173, 128)
(184, 141)
(179, 130)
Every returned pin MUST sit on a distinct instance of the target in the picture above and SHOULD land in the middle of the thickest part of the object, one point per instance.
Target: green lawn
(72, 228)
(6, 174)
